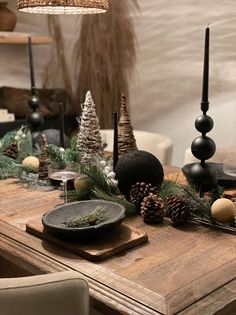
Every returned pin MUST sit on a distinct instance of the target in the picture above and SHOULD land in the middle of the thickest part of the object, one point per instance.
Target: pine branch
(54, 153)
(97, 193)
(8, 167)
(99, 179)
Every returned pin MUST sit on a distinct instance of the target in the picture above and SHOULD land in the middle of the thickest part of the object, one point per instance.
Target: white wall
(166, 90)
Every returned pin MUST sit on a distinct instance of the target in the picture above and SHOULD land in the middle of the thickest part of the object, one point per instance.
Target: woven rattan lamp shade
(63, 6)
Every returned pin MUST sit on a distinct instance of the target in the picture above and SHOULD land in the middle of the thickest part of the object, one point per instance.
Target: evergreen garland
(55, 153)
(8, 166)
(200, 207)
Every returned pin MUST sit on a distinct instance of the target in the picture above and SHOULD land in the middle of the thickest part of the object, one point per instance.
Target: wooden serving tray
(111, 243)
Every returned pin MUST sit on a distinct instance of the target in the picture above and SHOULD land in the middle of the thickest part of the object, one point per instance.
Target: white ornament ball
(111, 175)
(107, 169)
(103, 163)
(31, 161)
(223, 210)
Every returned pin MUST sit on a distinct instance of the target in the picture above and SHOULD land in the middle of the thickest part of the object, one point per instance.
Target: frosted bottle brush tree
(89, 138)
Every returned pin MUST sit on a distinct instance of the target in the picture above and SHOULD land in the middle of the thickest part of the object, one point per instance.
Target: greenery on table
(99, 186)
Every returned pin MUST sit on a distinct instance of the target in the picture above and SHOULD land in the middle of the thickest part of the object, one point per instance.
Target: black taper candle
(62, 125)
(115, 141)
(31, 64)
(205, 83)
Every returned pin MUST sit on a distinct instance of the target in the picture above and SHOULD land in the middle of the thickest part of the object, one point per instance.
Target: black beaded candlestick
(202, 174)
(34, 119)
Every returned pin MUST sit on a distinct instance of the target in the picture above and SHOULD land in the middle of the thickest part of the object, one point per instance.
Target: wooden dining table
(185, 270)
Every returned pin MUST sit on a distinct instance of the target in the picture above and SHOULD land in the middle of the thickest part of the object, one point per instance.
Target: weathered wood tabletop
(188, 270)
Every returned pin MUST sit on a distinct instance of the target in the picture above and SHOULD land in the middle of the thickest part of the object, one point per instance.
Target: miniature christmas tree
(43, 159)
(126, 139)
(89, 137)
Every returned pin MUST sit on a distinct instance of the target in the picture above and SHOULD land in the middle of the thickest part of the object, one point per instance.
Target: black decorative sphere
(35, 120)
(202, 175)
(204, 123)
(53, 137)
(203, 147)
(33, 102)
(138, 166)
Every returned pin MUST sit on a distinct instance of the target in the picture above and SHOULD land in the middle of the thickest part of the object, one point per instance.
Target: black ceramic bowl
(54, 220)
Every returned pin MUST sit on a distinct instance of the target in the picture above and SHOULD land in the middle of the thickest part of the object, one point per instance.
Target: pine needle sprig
(8, 167)
(72, 155)
(7, 140)
(99, 179)
(55, 153)
(26, 147)
(97, 193)
(200, 207)
(95, 217)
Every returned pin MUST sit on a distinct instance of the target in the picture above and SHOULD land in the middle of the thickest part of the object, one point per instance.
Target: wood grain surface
(177, 269)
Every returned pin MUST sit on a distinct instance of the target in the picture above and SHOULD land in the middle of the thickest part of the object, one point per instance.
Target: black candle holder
(34, 119)
(202, 175)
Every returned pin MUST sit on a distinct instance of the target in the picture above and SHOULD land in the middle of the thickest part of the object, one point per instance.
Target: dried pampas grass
(106, 52)
(57, 73)
(104, 59)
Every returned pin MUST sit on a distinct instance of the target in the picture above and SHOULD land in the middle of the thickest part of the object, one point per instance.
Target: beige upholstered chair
(159, 145)
(220, 155)
(59, 293)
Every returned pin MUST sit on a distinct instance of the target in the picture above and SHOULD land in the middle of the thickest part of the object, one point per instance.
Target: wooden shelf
(22, 38)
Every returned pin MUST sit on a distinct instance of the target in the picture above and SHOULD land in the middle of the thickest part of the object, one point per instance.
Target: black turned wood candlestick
(34, 119)
(202, 175)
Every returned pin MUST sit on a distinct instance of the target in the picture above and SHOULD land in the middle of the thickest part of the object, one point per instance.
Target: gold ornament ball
(32, 162)
(82, 186)
(223, 210)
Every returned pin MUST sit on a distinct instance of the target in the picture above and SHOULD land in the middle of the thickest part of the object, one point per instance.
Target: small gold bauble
(32, 162)
(223, 210)
(82, 186)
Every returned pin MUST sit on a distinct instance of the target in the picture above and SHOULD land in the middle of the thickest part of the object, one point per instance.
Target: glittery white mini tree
(89, 141)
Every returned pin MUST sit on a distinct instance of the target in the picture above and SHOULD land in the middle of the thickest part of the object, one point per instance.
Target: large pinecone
(140, 190)
(178, 209)
(152, 209)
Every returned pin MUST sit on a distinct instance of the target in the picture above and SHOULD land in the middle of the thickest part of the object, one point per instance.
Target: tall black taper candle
(115, 141)
(31, 64)
(34, 119)
(62, 125)
(205, 103)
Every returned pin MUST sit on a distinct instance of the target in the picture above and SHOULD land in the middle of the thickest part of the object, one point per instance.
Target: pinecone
(178, 209)
(11, 151)
(140, 190)
(152, 209)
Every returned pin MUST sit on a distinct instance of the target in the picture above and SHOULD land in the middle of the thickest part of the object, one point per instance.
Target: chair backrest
(59, 293)
(220, 155)
(159, 145)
